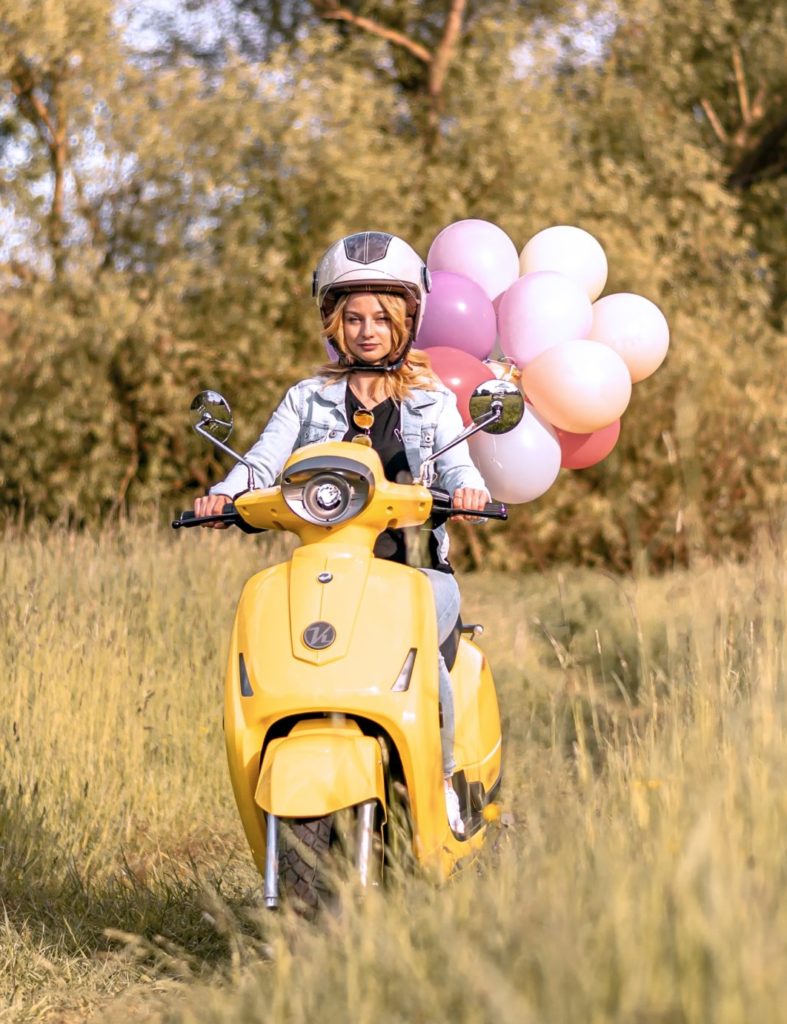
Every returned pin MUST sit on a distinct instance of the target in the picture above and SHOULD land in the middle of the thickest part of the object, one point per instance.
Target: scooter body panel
(345, 768)
(379, 611)
(477, 746)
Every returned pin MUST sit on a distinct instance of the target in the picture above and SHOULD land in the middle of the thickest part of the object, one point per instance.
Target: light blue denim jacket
(314, 410)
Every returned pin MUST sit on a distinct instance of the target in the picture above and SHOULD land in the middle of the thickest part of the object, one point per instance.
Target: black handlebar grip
(184, 519)
(496, 510)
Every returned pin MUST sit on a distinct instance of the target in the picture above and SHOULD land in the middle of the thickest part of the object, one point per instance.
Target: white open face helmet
(372, 261)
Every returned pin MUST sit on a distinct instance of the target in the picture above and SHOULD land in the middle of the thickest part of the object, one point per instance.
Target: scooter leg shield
(318, 769)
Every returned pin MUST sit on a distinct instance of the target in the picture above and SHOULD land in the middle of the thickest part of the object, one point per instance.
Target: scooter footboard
(319, 768)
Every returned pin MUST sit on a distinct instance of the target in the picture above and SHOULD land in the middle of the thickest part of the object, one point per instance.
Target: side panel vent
(245, 684)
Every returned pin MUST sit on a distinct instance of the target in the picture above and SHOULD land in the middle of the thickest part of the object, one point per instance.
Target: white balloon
(570, 251)
(635, 328)
(521, 465)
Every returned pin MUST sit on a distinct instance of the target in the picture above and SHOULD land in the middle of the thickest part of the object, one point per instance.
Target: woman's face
(367, 329)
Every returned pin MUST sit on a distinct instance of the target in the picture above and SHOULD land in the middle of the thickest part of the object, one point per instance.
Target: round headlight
(327, 494)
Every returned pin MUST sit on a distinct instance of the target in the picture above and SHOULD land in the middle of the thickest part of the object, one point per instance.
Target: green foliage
(198, 197)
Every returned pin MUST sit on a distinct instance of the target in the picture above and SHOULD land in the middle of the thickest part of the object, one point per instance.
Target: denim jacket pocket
(312, 433)
(426, 440)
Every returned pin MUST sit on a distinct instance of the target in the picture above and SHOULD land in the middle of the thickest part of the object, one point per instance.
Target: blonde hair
(416, 371)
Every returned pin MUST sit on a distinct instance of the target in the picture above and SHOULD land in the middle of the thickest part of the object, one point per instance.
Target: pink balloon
(538, 311)
(521, 465)
(459, 314)
(579, 386)
(478, 250)
(582, 450)
(461, 373)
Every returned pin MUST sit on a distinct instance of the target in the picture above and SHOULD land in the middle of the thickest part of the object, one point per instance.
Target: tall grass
(636, 875)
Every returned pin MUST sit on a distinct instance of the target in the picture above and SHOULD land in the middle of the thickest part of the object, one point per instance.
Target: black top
(387, 441)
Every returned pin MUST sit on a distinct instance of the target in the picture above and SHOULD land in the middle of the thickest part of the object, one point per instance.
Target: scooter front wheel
(304, 861)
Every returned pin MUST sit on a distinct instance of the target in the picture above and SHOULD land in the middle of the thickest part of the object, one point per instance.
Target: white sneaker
(452, 808)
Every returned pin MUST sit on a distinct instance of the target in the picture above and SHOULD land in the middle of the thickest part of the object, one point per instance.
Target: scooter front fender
(320, 768)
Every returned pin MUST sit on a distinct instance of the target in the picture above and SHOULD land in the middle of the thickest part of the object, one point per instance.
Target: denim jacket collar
(335, 395)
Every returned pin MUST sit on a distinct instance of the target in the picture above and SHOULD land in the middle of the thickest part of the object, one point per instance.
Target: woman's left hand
(471, 499)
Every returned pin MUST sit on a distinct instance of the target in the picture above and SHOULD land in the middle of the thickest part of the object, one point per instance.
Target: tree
(50, 53)
(186, 253)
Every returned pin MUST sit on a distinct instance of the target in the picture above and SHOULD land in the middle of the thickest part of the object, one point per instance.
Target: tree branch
(59, 158)
(437, 62)
(763, 159)
(758, 106)
(88, 211)
(51, 128)
(331, 12)
(740, 81)
(23, 86)
(446, 49)
(715, 123)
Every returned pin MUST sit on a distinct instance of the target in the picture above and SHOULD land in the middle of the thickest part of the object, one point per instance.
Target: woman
(371, 290)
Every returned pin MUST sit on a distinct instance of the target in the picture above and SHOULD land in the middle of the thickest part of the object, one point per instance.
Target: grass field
(637, 875)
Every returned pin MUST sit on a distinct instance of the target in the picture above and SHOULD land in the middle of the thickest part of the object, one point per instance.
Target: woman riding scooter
(371, 290)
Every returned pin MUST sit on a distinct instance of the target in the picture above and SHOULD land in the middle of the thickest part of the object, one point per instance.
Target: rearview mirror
(211, 417)
(501, 396)
(211, 414)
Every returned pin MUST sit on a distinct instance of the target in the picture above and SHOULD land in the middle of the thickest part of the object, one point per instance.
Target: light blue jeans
(446, 599)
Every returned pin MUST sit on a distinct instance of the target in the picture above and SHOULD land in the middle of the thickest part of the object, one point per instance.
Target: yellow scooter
(331, 702)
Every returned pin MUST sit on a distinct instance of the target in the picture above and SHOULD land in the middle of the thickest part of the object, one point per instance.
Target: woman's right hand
(212, 505)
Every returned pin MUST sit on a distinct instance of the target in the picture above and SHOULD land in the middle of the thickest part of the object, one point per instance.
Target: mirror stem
(495, 413)
(228, 451)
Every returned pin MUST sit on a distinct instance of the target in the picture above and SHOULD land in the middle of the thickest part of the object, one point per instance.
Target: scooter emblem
(319, 635)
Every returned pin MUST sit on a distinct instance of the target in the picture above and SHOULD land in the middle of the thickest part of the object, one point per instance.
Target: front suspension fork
(271, 889)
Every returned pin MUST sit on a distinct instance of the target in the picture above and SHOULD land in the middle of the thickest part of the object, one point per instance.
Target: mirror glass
(498, 394)
(211, 412)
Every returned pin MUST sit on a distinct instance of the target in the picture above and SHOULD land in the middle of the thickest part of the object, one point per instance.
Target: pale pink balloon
(538, 311)
(580, 386)
(635, 328)
(579, 451)
(521, 465)
(570, 251)
(478, 249)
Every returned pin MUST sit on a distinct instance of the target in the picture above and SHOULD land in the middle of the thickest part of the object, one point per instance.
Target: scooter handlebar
(442, 508)
(228, 515)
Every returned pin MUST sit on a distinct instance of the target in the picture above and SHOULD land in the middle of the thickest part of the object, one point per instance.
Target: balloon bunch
(575, 355)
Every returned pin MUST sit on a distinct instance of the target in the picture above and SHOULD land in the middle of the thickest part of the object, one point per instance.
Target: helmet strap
(361, 367)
